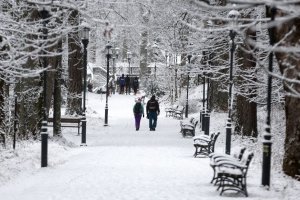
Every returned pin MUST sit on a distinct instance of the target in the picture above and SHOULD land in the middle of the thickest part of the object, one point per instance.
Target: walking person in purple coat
(138, 111)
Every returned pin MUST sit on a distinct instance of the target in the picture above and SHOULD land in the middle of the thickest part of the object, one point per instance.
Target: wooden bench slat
(68, 121)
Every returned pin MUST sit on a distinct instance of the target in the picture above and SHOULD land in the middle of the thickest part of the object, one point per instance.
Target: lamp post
(187, 89)
(44, 13)
(108, 55)
(129, 54)
(115, 56)
(267, 143)
(170, 72)
(85, 42)
(203, 113)
(234, 15)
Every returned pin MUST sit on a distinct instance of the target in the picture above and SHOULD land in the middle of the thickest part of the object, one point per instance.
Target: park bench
(68, 121)
(215, 158)
(170, 110)
(232, 174)
(186, 121)
(189, 127)
(2, 139)
(178, 113)
(205, 145)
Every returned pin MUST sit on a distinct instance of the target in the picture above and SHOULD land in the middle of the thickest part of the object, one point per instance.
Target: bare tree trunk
(246, 117)
(246, 111)
(290, 67)
(143, 48)
(57, 94)
(74, 100)
(218, 100)
(1, 102)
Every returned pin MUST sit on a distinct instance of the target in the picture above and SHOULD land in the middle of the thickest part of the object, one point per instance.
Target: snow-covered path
(120, 163)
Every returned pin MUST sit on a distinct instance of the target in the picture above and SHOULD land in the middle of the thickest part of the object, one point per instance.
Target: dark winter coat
(152, 105)
(138, 108)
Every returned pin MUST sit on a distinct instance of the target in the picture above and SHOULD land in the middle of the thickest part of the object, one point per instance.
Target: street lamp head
(43, 7)
(85, 30)
(129, 54)
(117, 52)
(233, 15)
(108, 48)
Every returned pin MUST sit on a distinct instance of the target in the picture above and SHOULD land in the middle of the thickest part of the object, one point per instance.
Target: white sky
(120, 163)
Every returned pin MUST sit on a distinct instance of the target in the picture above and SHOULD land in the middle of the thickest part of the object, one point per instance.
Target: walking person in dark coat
(122, 84)
(135, 85)
(153, 111)
(138, 111)
(127, 84)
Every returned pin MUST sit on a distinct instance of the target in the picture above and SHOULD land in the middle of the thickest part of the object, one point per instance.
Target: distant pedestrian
(138, 111)
(127, 84)
(152, 109)
(122, 84)
(90, 86)
(135, 84)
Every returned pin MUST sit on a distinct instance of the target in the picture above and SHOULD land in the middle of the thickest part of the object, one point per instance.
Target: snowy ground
(120, 163)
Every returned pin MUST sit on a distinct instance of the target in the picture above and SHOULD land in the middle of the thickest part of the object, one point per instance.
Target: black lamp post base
(83, 133)
(203, 113)
(106, 116)
(44, 144)
(206, 121)
(266, 162)
(228, 136)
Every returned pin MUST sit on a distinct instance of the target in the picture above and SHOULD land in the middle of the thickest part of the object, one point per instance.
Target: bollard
(83, 133)
(44, 143)
(266, 162)
(203, 120)
(207, 123)
(228, 137)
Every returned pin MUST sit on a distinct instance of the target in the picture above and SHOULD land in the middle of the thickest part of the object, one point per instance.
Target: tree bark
(74, 99)
(57, 94)
(218, 100)
(290, 67)
(2, 115)
(246, 110)
(143, 47)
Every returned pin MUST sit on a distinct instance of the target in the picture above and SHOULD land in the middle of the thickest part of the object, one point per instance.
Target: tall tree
(74, 101)
(246, 110)
(145, 13)
(288, 35)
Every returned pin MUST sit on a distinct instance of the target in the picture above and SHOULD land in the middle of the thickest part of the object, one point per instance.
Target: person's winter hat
(139, 99)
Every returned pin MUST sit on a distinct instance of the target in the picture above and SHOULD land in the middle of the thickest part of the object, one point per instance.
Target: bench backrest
(192, 119)
(195, 122)
(67, 119)
(247, 157)
(180, 108)
(214, 137)
(240, 154)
